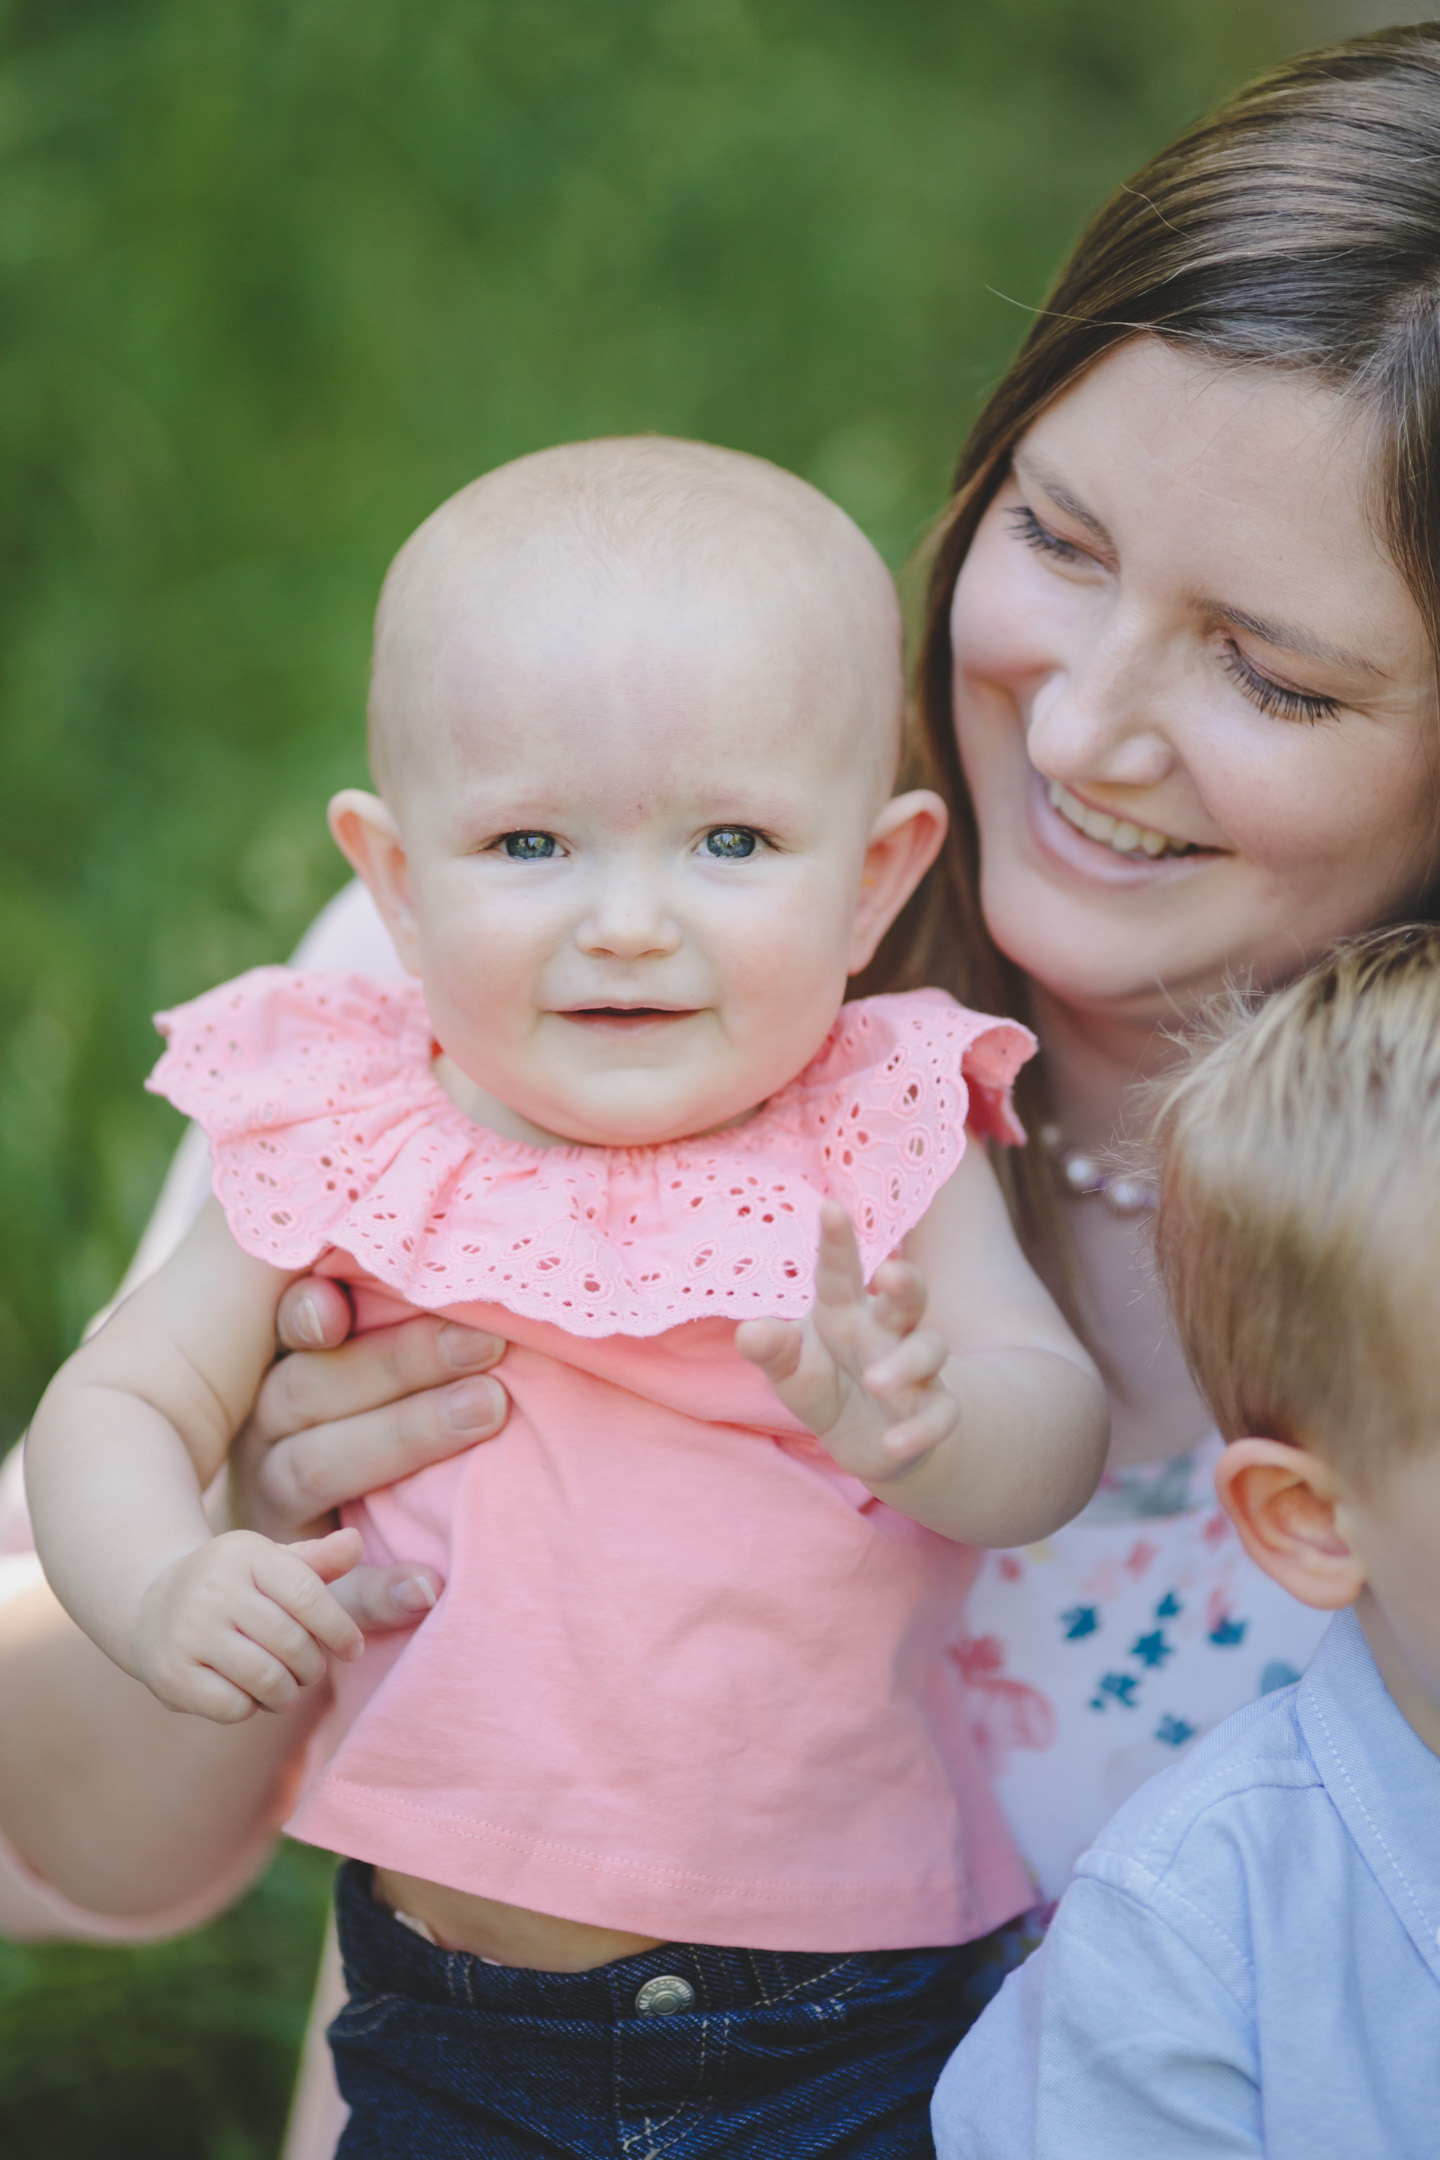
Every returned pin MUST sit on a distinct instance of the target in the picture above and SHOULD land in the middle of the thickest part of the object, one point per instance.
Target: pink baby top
(687, 1678)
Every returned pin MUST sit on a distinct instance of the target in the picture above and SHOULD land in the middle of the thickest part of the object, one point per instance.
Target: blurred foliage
(275, 277)
(180, 2051)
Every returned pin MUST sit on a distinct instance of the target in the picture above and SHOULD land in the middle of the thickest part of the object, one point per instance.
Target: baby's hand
(241, 1625)
(860, 1370)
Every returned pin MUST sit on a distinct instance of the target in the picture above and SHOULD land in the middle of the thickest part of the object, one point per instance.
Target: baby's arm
(130, 1432)
(989, 1422)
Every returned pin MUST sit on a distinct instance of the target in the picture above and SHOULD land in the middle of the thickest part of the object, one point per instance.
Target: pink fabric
(329, 1128)
(687, 1678)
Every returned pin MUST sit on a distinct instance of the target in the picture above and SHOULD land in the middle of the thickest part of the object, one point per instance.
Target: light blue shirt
(1246, 1961)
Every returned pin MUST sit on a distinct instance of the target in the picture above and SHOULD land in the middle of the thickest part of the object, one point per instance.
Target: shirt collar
(1382, 1779)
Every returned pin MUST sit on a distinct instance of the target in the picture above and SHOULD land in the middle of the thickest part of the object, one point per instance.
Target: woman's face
(1194, 698)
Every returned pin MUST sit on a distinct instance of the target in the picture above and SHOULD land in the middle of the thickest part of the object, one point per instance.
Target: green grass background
(275, 277)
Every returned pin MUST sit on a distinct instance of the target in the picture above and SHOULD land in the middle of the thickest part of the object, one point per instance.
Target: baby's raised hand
(241, 1624)
(859, 1370)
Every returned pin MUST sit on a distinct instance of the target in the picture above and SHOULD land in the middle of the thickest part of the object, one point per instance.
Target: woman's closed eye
(1276, 699)
(1028, 529)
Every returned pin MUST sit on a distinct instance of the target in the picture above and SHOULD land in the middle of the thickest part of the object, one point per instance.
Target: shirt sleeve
(1116, 2041)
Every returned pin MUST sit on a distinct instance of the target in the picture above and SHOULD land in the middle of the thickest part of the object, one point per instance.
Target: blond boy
(1247, 1960)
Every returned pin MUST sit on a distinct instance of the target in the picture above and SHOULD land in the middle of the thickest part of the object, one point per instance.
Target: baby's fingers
(202, 1692)
(899, 1297)
(776, 1346)
(258, 1672)
(908, 1443)
(298, 1590)
(914, 1361)
(838, 1276)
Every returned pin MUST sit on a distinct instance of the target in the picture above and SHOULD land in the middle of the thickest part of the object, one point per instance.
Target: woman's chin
(1083, 958)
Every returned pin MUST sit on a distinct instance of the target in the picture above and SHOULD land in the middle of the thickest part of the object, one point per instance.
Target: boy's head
(635, 719)
(1298, 1233)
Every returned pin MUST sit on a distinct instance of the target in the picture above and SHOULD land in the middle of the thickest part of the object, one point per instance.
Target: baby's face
(635, 835)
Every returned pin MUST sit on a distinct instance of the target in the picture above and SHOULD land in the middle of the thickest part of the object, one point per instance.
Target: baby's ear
(367, 836)
(904, 841)
(1287, 1506)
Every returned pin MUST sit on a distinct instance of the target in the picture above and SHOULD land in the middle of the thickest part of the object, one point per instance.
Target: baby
(1247, 1960)
(635, 721)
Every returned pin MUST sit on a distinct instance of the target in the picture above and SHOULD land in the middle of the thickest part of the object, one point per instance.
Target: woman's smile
(1121, 835)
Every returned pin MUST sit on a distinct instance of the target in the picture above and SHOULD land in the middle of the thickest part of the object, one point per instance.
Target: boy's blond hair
(1298, 1228)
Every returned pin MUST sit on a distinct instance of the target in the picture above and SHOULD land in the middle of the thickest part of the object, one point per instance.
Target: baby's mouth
(626, 1019)
(1119, 834)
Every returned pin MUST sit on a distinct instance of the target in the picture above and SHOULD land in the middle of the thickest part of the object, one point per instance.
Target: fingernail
(414, 1594)
(463, 1347)
(472, 1405)
(307, 1323)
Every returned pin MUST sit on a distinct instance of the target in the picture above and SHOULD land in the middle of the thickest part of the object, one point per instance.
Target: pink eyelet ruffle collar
(329, 1131)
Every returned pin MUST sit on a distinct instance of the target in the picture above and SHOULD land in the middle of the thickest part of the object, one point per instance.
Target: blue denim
(780, 2056)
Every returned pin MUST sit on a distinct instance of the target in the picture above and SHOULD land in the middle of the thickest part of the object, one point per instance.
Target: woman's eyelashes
(1275, 698)
(1028, 529)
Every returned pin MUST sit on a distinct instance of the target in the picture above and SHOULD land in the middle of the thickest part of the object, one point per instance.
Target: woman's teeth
(1116, 833)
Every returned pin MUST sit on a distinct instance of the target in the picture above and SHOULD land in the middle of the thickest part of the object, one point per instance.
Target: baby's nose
(629, 921)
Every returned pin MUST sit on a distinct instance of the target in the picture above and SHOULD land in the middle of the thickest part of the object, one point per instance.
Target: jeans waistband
(382, 1955)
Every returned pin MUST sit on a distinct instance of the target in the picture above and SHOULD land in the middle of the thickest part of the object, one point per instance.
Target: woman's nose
(1100, 715)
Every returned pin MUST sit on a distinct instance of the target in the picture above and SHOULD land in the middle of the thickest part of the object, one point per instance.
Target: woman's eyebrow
(1291, 638)
(1060, 495)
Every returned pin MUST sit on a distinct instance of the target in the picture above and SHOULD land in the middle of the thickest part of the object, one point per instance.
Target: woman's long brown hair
(1298, 227)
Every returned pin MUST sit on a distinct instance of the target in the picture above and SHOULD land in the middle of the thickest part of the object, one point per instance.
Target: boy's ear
(369, 839)
(904, 841)
(1287, 1507)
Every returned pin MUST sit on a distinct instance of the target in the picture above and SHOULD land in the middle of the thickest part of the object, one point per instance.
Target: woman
(1179, 683)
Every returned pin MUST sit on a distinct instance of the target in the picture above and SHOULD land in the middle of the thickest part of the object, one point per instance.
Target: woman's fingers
(379, 1598)
(321, 1386)
(331, 1425)
(296, 1482)
(313, 1314)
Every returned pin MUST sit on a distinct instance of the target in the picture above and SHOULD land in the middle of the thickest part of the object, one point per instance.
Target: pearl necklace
(1084, 1179)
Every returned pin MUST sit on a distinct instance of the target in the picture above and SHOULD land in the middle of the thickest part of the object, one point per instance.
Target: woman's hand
(337, 1418)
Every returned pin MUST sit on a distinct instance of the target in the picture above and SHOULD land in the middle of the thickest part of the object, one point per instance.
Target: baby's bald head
(760, 562)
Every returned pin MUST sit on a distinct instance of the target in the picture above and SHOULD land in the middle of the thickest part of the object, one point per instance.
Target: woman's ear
(369, 839)
(1285, 1503)
(904, 841)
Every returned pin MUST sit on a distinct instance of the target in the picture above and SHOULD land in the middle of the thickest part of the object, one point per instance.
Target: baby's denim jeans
(682, 2053)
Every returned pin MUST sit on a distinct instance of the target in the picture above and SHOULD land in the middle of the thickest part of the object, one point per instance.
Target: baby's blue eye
(528, 846)
(731, 843)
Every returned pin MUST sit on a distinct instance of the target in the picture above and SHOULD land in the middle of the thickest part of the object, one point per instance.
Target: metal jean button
(664, 1995)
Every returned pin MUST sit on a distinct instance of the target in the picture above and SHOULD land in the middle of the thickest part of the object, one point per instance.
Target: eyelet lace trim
(329, 1130)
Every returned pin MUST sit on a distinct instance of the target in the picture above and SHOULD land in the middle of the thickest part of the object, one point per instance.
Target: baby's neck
(486, 1109)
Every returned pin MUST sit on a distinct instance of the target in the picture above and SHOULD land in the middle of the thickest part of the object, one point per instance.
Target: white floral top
(1098, 1656)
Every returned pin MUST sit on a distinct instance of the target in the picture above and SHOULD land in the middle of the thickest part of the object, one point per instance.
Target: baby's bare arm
(954, 1389)
(129, 1434)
